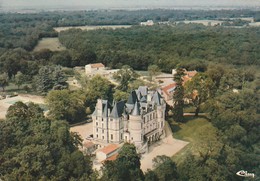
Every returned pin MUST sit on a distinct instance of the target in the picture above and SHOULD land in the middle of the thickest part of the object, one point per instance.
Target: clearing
(25, 98)
(59, 29)
(197, 131)
(52, 44)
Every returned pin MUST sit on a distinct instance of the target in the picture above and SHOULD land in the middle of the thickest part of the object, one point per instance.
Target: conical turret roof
(132, 98)
(136, 110)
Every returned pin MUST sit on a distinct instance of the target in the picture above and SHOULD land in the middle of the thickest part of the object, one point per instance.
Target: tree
(50, 77)
(153, 70)
(165, 168)
(62, 58)
(120, 95)
(66, 105)
(20, 79)
(125, 75)
(98, 88)
(151, 176)
(199, 89)
(125, 167)
(35, 148)
(3, 81)
(215, 72)
(178, 95)
(236, 117)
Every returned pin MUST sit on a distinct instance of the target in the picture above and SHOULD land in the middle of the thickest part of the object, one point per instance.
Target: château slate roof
(157, 98)
(132, 98)
(143, 90)
(118, 109)
(143, 99)
(136, 110)
(133, 106)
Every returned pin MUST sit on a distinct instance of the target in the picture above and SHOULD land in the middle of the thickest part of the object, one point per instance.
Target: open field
(254, 24)
(196, 131)
(52, 44)
(59, 29)
(25, 98)
(204, 22)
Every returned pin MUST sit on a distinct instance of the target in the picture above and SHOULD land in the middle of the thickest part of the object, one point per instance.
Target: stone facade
(140, 120)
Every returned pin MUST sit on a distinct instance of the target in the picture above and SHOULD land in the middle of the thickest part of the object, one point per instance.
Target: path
(167, 146)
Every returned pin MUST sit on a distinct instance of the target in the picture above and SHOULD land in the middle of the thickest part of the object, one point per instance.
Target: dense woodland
(34, 147)
(167, 46)
(24, 30)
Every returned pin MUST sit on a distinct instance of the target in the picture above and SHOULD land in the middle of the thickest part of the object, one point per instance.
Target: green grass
(52, 44)
(197, 131)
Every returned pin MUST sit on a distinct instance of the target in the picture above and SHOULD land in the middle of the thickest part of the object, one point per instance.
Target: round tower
(135, 126)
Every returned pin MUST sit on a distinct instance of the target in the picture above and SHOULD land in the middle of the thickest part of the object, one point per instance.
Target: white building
(147, 23)
(99, 69)
(139, 121)
(94, 68)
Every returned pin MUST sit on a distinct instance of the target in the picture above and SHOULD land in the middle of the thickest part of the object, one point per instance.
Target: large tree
(66, 105)
(236, 115)
(126, 166)
(125, 75)
(3, 81)
(178, 95)
(50, 77)
(20, 79)
(165, 168)
(153, 70)
(199, 89)
(98, 88)
(35, 148)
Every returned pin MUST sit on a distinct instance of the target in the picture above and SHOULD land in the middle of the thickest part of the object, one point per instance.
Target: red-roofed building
(168, 90)
(189, 75)
(107, 152)
(112, 158)
(92, 68)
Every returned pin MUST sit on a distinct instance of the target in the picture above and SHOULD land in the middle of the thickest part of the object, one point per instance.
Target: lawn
(198, 131)
(52, 44)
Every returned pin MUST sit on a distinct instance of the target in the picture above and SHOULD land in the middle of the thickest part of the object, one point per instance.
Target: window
(97, 130)
(111, 136)
(102, 131)
(103, 137)
(96, 123)
(111, 119)
(97, 135)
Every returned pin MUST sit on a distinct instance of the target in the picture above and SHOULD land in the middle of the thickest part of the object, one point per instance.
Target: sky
(125, 3)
